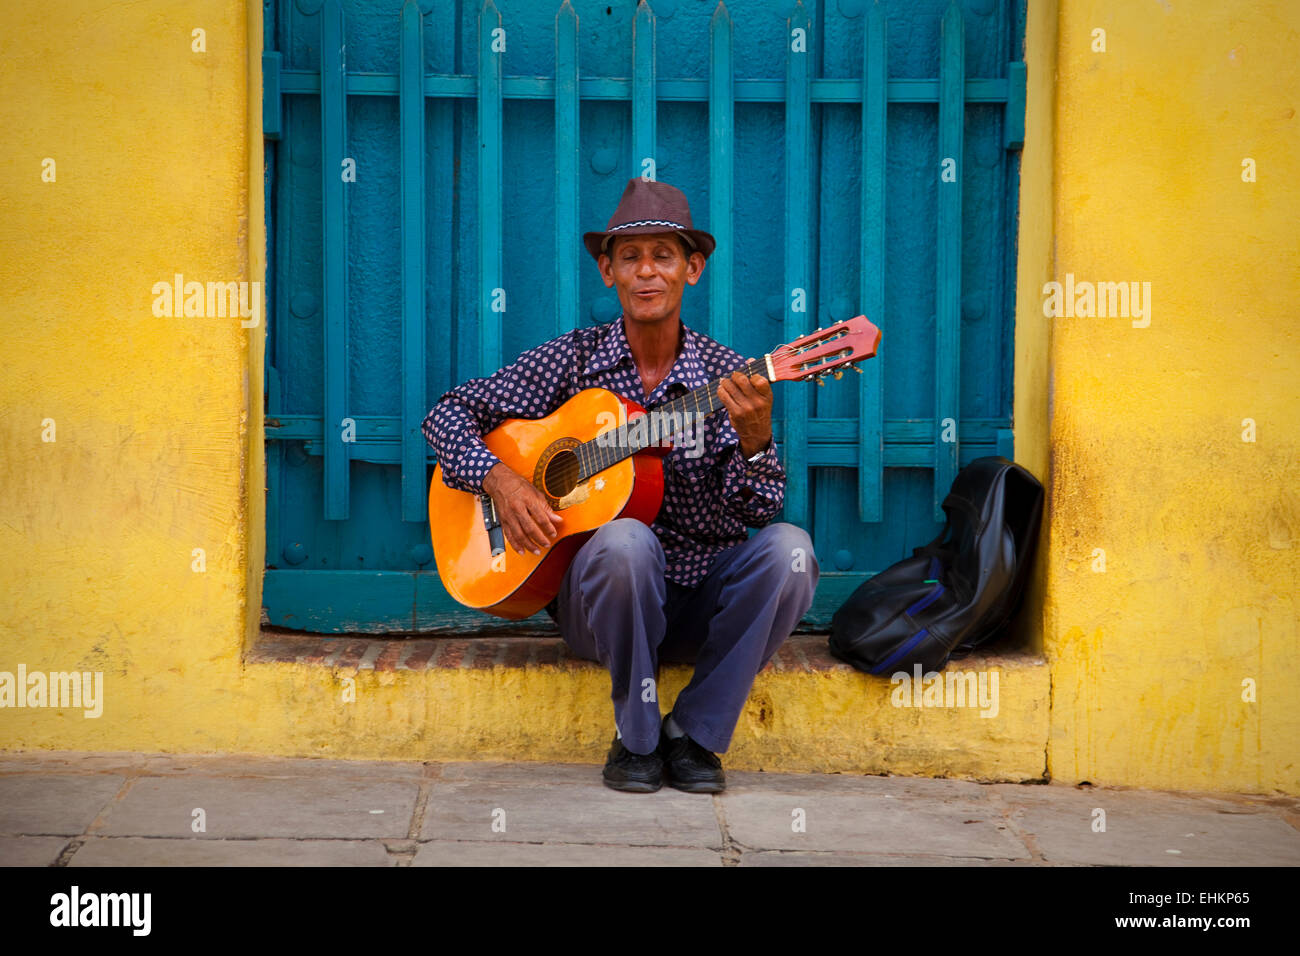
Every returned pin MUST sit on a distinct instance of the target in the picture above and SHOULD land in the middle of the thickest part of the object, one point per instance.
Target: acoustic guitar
(596, 458)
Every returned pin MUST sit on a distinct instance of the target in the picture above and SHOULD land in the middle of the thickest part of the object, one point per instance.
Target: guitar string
(604, 451)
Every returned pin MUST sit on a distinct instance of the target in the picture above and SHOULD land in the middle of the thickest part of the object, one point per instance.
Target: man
(691, 587)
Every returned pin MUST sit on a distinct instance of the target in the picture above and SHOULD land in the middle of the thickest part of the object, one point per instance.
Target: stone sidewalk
(99, 809)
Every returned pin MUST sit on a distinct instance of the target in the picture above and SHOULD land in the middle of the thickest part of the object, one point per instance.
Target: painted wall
(1132, 173)
(130, 444)
(1198, 528)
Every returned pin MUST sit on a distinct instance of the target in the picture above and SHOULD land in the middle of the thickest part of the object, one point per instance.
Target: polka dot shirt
(710, 495)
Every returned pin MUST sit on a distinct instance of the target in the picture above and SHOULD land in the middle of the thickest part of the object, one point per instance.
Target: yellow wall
(1200, 530)
(157, 421)
(1131, 172)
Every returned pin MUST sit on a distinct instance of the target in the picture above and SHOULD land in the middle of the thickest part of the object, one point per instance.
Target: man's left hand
(748, 400)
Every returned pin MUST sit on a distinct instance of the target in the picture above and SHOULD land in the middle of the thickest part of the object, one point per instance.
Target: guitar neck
(662, 422)
(704, 401)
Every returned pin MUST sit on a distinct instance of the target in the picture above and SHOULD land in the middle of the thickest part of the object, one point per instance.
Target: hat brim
(704, 243)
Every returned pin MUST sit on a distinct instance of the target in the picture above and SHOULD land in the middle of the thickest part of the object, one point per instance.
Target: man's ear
(694, 268)
(606, 273)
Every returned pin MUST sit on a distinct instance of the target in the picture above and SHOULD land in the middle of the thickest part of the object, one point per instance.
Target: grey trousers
(616, 606)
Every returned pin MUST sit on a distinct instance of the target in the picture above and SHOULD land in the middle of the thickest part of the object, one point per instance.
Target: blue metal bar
(1019, 11)
(798, 246)
(278, 226)
(568, 252)
(1014, 124)
(334, 210)
(643, 93)
(831, 442)
(272, 116)
(871, 394)
(415, 486)
(722, 174)
(1006, 444)
(1009, 182)
(386, 430)
(489, 188)
(947, 337)
(445, 312)
(847, 90)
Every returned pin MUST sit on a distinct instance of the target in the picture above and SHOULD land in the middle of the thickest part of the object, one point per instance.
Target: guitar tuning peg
(839, 374)
(858, 370)
(819, 380)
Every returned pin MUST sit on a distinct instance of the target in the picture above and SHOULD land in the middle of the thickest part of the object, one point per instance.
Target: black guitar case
(957, 592)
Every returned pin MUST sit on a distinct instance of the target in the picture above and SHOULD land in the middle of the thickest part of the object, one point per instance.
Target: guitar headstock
(826, 350)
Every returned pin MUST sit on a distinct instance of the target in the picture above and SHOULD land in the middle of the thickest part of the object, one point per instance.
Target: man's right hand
(526, 518)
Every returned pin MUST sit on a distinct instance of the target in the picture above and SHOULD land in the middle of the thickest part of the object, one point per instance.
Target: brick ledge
(801, 653)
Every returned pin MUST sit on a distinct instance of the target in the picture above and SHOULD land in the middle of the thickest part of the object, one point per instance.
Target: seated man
(691, 587)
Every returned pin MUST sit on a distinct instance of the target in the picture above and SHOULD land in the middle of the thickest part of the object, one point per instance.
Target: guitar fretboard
(665, 421)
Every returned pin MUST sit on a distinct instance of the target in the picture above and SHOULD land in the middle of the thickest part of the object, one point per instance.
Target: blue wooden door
(430, 170)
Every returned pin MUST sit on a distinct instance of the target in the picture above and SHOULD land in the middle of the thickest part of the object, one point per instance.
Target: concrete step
(527, 697)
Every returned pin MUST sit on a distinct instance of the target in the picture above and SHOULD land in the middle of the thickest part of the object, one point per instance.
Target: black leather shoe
(689, 767)
(633, 773)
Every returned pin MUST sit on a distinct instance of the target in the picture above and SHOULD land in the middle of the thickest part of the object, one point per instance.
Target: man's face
(650, 272)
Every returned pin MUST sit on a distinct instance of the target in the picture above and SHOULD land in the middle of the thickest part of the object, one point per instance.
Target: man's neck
(654, 345)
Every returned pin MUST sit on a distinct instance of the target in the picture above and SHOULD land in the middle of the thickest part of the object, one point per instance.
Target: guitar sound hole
(561, 475)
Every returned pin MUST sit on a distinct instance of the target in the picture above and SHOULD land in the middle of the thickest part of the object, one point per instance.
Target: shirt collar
(614, 351)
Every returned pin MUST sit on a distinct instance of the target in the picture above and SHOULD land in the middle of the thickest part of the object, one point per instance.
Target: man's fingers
(727, 395)
(515, 534)
(534, 531)
(741, 397)
(538, 520)
(751, 388)
(523, 530)
(513, 538)
(543, 517)
(762, 390)
(527, 536)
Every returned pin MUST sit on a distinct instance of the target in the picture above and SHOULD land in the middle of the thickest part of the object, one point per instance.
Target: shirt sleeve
(752, 493)
(533, 386)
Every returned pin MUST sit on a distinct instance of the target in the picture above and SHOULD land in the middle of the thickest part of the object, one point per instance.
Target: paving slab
(30, 851)
(871, 822)
(144, 851)
(452, 853)
(738, 781)
(586, 812)
(54, 804)
(54, 761)
(240, 765)
(282, 768)
(258, 807)
(805, 858)
(1145, 828)
(531, 774)
(1058, 793)
(749, 781)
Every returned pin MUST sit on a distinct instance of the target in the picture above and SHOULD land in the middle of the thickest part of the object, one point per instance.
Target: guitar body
(514, 585)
